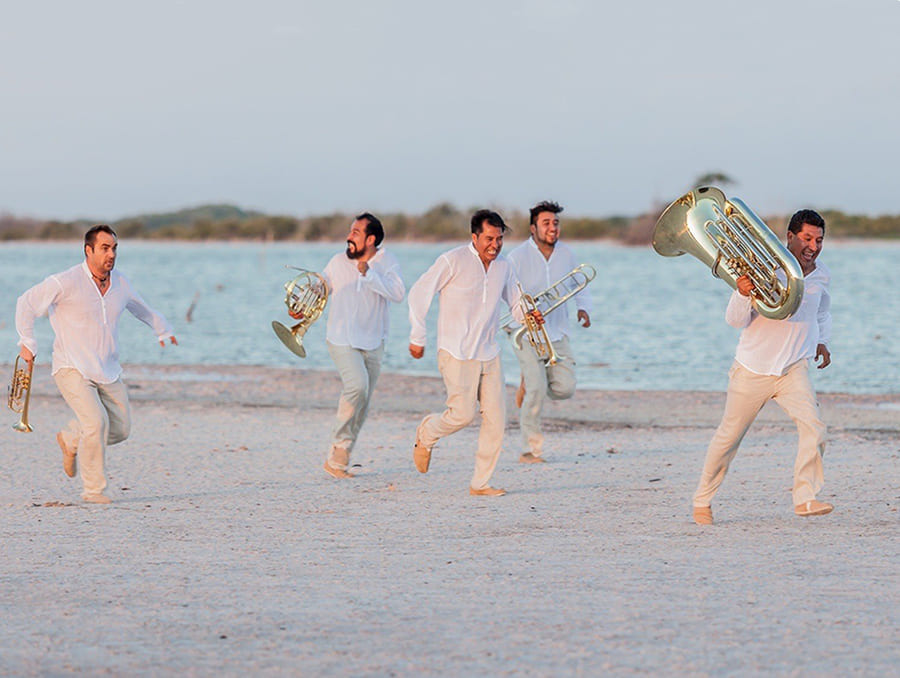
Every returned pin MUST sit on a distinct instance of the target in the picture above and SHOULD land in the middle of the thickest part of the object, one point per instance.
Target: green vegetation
(441, 222)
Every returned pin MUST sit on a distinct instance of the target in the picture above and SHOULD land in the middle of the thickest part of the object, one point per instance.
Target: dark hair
(806, 217)
(91, 236)
(489, 216)
(373, 226)
(544, 206)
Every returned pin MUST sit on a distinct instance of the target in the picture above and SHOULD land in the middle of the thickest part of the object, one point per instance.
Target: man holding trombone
(542, 263)
(85, 303)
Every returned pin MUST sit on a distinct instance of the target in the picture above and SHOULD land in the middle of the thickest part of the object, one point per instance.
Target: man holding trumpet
(541, 261)
(84, 304)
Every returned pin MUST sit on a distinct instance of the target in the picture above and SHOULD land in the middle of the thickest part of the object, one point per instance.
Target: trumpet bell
(289, 339)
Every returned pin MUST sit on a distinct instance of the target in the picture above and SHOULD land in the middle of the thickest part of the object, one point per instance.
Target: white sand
(228, 550)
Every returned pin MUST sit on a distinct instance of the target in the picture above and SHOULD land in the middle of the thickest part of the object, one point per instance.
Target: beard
(352, 252)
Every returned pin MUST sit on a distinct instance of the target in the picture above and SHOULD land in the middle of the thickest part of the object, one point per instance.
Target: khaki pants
(556, 382)
(102, 417)
(747, 393)
(469, 382)
(359, 371)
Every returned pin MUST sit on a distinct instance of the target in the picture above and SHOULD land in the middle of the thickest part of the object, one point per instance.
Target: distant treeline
(441, 222)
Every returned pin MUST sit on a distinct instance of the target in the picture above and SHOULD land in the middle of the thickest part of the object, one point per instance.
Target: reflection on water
(658, 323)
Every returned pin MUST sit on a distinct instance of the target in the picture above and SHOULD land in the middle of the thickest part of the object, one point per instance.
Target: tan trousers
(556, 382)
(102, 417)
(747, 393)
(469, 382)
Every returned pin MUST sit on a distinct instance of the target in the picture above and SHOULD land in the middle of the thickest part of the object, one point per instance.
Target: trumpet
(728, 237)
(19, 394)
(306, 297)
(546, 302)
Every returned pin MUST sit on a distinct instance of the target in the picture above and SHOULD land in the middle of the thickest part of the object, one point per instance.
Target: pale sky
(110, 109)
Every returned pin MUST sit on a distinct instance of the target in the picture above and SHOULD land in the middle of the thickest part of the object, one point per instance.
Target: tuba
(547, 301)
(306, 296)
(20, 394)
(729, 238)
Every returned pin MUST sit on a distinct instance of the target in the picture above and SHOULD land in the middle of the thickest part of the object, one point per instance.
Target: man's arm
(383, 278)
(419, 299)
(141, 310)
(34, 303)
(740, 307)
(823, 318)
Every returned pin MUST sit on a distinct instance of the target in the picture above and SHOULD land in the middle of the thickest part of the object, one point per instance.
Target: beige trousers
(469, 382)
(747, 393)
(102, 417)
(556, 382)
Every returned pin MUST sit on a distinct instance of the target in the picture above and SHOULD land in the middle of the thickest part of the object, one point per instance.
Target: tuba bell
(547, 301)
(728, 237)
(19, 394)
(306, 297)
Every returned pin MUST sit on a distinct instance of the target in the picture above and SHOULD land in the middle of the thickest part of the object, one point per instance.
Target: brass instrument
(548, 301)
(728, 237)
(306, 296)
(20, 394)
(536, 332)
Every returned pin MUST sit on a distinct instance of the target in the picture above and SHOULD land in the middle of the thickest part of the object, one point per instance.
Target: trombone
(546, 302)
(19, 394)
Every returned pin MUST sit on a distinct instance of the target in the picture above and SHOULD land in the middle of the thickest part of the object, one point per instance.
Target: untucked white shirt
(771, 346)
(469, 313)
(537, 273)
(358, 304)
(85, 322)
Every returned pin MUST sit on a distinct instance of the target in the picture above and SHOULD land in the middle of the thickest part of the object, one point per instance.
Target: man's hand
(537, 316)
(584, 318)
(26, 355)
(296, 316)
(162, 342)
(362, 266)
(744, 285)
(416, 351)
(823, 353)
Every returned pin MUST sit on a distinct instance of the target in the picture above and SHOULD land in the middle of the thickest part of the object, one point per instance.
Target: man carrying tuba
(540, 262)
(362, 281)
(772, 362)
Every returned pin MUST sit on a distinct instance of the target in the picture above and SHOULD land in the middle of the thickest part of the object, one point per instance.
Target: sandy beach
(229, 551)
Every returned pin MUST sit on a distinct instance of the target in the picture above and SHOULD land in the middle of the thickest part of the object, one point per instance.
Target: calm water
(658, 322)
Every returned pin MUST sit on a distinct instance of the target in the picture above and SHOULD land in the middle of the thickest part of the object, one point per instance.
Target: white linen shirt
(468, 318)
(536, 274)
(769, 346)
(85, 322)
(358, 306)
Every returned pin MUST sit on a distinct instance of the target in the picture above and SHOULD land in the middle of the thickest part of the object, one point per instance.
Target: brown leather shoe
(69, 465)
(703, 515)
(813, 508)
(337, 472)
(520, 393)
(421, 457)
(96, 498)
(529, 458)
(487, 492)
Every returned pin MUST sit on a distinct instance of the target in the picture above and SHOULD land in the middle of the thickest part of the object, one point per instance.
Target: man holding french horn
(362, 281)
(546, 268)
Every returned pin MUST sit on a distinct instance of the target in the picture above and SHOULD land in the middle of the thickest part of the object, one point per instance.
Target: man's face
(545, 229)
(488, 243)
(101, 258)
(805, 245)
(357, 240)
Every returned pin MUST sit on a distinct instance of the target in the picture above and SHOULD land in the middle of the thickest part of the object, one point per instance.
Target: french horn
(732, 241)
(19, 395)
(306, 296)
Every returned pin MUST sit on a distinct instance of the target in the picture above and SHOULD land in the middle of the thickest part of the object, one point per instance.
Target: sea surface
(658, 323)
